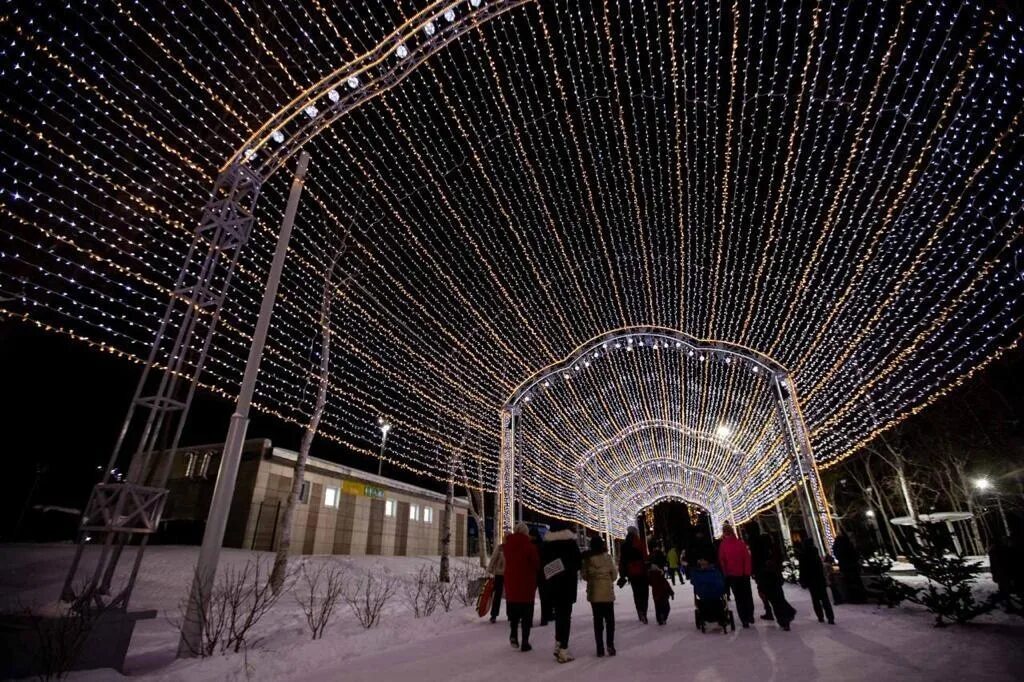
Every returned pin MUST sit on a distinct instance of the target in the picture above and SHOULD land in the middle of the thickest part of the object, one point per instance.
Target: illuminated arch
(775, 383)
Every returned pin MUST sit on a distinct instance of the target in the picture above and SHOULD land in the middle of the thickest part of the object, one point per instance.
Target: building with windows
(341, 510)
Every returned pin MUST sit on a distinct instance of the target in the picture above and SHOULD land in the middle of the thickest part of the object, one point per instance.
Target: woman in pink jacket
(734, 562)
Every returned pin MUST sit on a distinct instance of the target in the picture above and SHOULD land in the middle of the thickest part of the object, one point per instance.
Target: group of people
(525, 564)
(522, 564)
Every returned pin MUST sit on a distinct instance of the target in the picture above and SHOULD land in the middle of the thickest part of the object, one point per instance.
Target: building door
(375, 532)
(266, 525)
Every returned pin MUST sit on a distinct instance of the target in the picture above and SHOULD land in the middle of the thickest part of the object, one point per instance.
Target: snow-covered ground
(866, 643)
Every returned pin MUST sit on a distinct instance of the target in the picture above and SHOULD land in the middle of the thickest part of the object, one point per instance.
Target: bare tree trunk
(965, 488)
(284, 528)
(446, 539)
(887, 513)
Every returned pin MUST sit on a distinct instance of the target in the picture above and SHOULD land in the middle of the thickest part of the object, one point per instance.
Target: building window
(414, 512)
(331, 497)
(389, 508)
(304, 493)
(428, 515)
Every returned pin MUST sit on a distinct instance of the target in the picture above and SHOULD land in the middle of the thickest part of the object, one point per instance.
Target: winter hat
(521, 527)
(632, 531)
(597, 544)
(728, 531)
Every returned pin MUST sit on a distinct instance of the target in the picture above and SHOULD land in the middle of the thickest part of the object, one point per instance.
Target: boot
(514, 641)
(600, 650)
(611, 650)
(564, 656)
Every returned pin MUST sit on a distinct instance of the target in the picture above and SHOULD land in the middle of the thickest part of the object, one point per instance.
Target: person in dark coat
(848, 558)
(632, 567)
(547, 611)
(756, 542)
(521, 565)
(658, 557)
(661, 592)
(1000, 563)
(812, 577)
(560, 562)
(769, 582)
(700, 548)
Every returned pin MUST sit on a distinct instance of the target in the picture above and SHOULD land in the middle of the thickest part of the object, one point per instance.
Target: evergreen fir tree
(949, 593)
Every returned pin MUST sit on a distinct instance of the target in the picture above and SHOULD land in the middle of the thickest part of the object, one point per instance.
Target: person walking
(598, 571)
(497, 570)
(672, 556)
(735, 564)
(757, 543)
(522, 563)
(632, 567)
(560, 561)
(848, 558)
(812, 577)
(661, 592)
(547, 612)
(699, 548)
(770, 581)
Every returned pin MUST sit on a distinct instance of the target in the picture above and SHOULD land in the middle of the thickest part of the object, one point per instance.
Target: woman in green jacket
(598, 570)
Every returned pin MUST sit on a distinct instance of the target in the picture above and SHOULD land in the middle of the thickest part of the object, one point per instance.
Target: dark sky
(62, 405)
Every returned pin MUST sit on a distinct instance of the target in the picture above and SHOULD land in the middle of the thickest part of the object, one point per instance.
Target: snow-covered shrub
(882, 587)
(318, 594)
(466, 578)
(367, 595)
(421, 591)
(239, 599)
(57, 637)
(446, 593)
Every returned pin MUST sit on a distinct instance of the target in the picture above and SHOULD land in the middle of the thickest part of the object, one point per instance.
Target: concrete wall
(357, 524)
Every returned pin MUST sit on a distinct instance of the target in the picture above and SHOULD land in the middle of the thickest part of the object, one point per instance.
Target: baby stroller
(710, 610)
(709, 597)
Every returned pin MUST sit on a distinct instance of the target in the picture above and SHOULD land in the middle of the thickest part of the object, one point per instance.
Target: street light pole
(1002, 513)
(192, 628)
(985, 484)
(384, 429)
(873, 522)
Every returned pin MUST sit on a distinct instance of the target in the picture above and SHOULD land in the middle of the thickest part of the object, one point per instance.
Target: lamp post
(384, 427)
(873, 522)
(984, 484)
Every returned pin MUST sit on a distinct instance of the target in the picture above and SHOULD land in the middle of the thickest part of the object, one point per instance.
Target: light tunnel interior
(639, 414)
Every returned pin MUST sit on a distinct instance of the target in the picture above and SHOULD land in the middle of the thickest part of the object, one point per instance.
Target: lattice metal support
(121, 508)
(810, 494)
(507, 474)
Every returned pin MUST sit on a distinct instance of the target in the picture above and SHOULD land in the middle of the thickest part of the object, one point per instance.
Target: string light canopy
(837, 188)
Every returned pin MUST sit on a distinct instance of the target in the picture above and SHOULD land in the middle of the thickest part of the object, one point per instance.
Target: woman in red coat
(522, 562)
(734, 562)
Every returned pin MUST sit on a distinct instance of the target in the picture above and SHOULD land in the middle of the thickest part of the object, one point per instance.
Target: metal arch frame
(650, 424)
(803, 467)
(663, 460)
(375, 72)
(679, 339)
(735, 453)
(722, 489)
(178, 354)
(634, 501)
